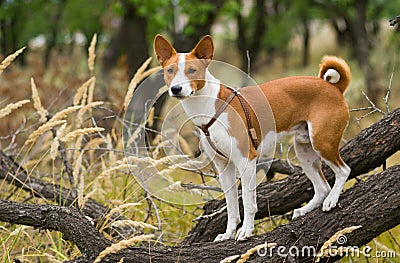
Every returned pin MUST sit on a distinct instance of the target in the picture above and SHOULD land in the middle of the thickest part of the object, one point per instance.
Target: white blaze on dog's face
(184, 73)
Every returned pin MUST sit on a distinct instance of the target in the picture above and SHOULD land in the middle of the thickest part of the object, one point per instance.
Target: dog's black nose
(176, 89)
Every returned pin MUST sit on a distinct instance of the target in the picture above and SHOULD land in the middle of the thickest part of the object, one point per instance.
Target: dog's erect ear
(204, 49)
(163, 49)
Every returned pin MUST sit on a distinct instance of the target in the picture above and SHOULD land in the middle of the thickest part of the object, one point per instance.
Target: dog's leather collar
(221, 109)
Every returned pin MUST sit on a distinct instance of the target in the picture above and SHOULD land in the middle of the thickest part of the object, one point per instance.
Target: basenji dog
(311, 108)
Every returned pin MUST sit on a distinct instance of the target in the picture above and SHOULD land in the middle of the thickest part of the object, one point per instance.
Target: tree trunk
(362, 49)
(374, 205)
(130, 39)
(368, 150)
(306, 42)
(247, 41)
(55, 24)
(185, 42)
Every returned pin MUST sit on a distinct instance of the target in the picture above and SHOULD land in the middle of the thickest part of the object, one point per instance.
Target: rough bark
(68, 220)
(368, 150)
(377, 202)
(13, 173)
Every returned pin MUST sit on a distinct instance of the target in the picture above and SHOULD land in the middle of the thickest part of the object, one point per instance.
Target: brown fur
(198, 59)
(297, 99)
(340, 66)
(292, 100)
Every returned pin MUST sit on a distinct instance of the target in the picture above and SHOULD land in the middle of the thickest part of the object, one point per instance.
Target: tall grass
(68, 107)
(58, 110)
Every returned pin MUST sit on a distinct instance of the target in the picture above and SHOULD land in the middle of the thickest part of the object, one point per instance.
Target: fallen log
(13, 173)
(374, 205)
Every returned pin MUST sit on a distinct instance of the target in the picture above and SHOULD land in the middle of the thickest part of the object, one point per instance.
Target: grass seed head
(37, 104)
(12, 106)
(92, 52)
(7, 61)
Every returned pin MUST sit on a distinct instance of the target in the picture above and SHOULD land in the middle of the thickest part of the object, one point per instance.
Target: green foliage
(32, 17)
(197, 13)
(29, 19)
(85, 16)
(26, 19)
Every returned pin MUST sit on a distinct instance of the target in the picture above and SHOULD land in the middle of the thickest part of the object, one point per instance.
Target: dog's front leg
(249, 183)
(227, 178)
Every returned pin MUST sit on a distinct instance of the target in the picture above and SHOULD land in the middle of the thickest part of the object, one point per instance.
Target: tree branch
(366, 151)
(377, 202)
(13, 173)
(69, 221)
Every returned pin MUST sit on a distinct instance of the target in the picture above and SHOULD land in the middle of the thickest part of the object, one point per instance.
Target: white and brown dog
(311, 108)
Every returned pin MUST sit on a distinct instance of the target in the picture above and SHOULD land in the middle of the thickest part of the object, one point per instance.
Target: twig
(210, 215)
(157, 215)
(248, 63)
(202, 187)
(390, 85)
(14, 135)
(67, 165)
(361, 109)
(362, 117)
(277, 165)
(373, 105)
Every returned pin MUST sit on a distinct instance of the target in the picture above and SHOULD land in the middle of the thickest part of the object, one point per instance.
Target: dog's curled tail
(336, 71)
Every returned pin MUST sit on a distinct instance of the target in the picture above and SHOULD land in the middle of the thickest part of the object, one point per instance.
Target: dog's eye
(170, 71)
(191, 70)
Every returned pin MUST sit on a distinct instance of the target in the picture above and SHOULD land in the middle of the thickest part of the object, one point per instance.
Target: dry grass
(141, 74)
(80, 132)
(92, 53)
(325, 249)
(7, 61)
(90, 132)
(12, 106)
(244, 257)
(114, 248)
(37, 104)
(94, 151)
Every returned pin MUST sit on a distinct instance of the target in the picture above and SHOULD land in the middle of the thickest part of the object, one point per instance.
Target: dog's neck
(200, 107)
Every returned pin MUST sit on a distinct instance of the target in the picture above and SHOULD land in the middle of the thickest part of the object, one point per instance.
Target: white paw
(244, 232)
(297, 213)
(330, 202)
(222, 237)
(314, 203)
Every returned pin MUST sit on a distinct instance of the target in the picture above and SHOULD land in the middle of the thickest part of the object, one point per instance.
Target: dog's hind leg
(328, 148)
(342, 172)
(311, 164)
(227, 179)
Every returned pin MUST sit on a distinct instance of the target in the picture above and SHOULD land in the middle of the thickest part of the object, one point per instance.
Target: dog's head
(184, 73)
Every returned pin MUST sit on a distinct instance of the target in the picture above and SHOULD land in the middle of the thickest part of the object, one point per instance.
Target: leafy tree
(269, 27)
(21, 21)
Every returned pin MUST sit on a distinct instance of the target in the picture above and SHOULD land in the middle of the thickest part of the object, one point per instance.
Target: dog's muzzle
(176, 90)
